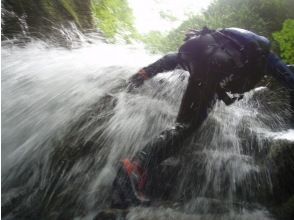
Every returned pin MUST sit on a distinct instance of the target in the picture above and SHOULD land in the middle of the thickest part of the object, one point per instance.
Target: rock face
(37, 17)
(259, 173)
(281, 159)
(270, 186)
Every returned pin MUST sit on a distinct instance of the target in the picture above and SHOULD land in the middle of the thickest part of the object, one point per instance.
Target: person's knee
(175, 132)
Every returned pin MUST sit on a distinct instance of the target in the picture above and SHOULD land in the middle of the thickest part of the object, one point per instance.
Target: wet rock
(281, 162)
(24, 18)
(111, 214)
(285, 211)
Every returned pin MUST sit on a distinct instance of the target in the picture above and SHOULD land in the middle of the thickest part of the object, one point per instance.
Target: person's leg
(193, 111)
(129, 184)
(292, 106)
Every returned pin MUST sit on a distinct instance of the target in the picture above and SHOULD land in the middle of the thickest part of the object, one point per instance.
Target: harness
(238, 53)
(239, 56)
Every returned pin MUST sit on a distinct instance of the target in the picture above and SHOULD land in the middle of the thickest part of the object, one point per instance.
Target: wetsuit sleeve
(284, 74)
(166, 63)
(280, 71)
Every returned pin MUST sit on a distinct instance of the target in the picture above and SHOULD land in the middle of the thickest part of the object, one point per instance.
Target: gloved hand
(137, 79)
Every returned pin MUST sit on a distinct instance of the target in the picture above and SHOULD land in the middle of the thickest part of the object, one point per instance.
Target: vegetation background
(114, 18)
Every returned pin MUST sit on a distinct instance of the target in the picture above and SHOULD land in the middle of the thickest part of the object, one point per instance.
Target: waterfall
(67, 120)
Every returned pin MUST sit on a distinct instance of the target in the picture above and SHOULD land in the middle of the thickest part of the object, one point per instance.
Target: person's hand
(137, 79)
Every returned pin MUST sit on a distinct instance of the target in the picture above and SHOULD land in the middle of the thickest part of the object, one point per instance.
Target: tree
(154, 41)
(114, 17)
(285, 38)
(261, 16)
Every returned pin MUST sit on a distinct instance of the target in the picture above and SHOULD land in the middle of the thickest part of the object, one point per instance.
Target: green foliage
(114, 17)
(260, 16)
(154, 41)
(49, 7)
(70, 8)
(285, 38)
(66, 10)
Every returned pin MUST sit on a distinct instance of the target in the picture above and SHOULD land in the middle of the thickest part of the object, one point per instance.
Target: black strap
(222, 39)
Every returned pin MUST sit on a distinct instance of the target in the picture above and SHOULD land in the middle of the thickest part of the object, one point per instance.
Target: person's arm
(166, 63)
(283, 73)
(291, 67)
(280, 71)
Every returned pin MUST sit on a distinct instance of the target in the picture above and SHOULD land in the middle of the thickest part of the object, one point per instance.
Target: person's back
(254, 49)
(234, 55)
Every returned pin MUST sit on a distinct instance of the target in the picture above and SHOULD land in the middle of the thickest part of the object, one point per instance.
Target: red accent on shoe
(135, 167)
(129, 167)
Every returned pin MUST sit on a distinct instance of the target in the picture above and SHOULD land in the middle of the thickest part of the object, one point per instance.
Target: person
(230, 60)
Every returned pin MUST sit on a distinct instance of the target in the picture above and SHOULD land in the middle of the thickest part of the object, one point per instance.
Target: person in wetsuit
(219, 61)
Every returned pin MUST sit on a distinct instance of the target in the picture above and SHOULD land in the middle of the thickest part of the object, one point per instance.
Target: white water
(46, 91)
(43, 88)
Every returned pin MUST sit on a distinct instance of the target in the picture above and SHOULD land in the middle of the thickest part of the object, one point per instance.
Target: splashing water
(67, 120)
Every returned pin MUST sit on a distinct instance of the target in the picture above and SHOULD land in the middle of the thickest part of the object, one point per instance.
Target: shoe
(128, 186)
(138, 178)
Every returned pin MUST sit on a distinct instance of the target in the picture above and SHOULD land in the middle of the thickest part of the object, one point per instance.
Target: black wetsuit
(229, 60)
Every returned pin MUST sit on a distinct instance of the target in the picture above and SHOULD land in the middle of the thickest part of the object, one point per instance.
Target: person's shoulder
(239, 30)
(263, 41)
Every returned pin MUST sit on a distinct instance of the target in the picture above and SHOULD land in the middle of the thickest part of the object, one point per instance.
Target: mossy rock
(41, 15)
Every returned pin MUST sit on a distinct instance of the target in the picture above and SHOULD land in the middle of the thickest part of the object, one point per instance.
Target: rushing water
(67, 119)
